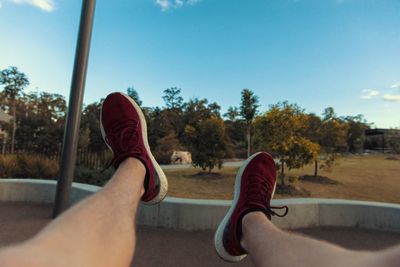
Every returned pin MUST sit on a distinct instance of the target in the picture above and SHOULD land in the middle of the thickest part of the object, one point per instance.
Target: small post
(71, 133)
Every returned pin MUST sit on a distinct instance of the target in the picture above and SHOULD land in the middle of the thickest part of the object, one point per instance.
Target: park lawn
(372, 177)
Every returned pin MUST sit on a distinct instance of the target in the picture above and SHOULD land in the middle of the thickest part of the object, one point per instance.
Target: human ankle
(134, 163)
(133, 167)
(249, 224)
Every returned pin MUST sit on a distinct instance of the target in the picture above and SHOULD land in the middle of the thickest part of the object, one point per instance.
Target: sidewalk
(185, 166)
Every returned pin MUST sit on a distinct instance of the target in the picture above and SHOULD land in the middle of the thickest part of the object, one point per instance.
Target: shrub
(27, 166)
(165, 148)
(207, 143)
(8, 166)
(38, 166)
(85, 175)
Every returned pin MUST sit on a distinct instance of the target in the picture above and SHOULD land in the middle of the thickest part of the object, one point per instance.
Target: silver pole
(71, 133)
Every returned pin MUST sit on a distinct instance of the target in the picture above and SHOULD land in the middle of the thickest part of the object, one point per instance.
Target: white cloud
(391, 98)
(173, 4)
(395, 86)
(369, 93)
(45, 5)
(164, 4)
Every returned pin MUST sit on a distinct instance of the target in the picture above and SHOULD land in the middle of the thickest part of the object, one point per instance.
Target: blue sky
(316, 53)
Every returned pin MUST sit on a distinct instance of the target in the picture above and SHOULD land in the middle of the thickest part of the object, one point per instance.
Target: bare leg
(269, 246)
(99, 231)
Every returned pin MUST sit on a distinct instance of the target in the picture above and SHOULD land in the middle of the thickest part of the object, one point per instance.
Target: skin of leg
(99, 231)
(267, 245)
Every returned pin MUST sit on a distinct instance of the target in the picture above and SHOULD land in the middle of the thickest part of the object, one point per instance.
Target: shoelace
(259, 191)
(122, 141)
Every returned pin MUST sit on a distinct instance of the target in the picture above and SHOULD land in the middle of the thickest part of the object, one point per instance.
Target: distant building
(181, 157)
(375, 139)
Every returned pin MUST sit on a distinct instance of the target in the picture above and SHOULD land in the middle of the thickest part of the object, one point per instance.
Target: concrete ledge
(196, 214)
(40, 191)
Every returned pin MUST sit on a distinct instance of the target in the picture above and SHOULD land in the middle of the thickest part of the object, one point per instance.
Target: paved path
(185, 166)
(166, 247)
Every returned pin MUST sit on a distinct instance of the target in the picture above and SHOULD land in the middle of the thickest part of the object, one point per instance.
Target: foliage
(301, 152)
(248, 110)
(281, 131)
(328, 161)
(207, 143)
(85, 175)
(248, 106)
(285, 130)
(27, 166)
(232, 114)
(333, 136)
(13, 82)
(157, 126)
(165, 147)
(8, 166)
(90, 121)
(132, 93)
(41, 123)
(172, 98)
(356, 126)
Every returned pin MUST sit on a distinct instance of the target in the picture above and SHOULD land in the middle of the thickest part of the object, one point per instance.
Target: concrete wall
(195, 214)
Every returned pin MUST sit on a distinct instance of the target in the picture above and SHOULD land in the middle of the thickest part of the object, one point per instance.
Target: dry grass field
(372, 177)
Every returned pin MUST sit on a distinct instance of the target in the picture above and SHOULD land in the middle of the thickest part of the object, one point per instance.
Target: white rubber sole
(219, 234)
(159, 172)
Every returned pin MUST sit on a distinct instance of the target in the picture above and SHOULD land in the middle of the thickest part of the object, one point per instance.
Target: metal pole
(71, 133)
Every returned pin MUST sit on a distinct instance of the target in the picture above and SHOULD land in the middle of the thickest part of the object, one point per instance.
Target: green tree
(194, 111)
(333, 132)
(132, 93)
(248, 110)
(172, 98)
(157, 126)
(91, 121)
(165, 147)
(13, 82)
(313, 133)
(207, 143)
(332, 138)
(356, 126)
(40, 125)
(236, 133)
(232, 114)
(281, 131)
(173, 113)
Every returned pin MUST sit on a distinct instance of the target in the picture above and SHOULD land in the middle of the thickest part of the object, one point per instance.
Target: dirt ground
(370, 177)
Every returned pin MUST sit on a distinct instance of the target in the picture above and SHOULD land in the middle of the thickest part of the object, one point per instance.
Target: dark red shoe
(124, 130)
(254, 188)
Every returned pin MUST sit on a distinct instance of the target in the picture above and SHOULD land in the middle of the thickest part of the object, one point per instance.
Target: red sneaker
(254, 188)
(124, 130)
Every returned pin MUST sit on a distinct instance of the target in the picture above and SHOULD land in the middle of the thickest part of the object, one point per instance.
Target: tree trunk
(248, 142)
(3, 149)
(282, 174)
(14, 128)
(316, 168)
